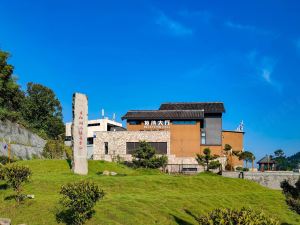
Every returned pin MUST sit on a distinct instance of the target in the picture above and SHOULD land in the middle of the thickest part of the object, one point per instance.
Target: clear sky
(137, 54)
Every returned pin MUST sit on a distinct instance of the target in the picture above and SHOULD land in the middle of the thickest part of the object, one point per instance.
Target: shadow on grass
(181, 221)
(3, 186)
(64, 216)
(69, 217)
(191, 214)
(10, 197)
(69, 161)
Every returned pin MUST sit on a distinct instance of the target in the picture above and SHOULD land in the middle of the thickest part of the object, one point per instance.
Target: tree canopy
(38, 108)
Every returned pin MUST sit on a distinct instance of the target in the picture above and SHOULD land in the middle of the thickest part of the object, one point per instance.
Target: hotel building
(178, 130)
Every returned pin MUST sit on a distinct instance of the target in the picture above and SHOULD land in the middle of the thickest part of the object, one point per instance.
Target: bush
(56, 149)
(4, 160)
(292, 194)
(145, 157)
(239, 168)
(236, 217)
(15, 175)
(1, 172)
(214, 165)
(79, 200)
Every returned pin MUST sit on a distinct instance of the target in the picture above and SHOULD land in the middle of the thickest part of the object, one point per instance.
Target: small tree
(78, 201)
(144, 156)
(15, 176)
(206, 160)
(229, 152)
(247, 157)
(292, 194)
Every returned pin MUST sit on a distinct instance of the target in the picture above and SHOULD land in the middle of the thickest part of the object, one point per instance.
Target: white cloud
(244, 27)
(266, 74)
(172, 26)
(263, 68)
(204, 16)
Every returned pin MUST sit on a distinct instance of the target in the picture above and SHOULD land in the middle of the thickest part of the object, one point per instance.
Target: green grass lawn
(140, 196)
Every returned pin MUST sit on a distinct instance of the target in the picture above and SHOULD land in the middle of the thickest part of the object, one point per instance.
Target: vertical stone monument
(79, 133)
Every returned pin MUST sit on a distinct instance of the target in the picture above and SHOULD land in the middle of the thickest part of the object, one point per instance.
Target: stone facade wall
(271, 179)
(117, 142)
(24, 143)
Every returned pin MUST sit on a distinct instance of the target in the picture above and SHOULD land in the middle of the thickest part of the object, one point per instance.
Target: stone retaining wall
(270, 179)
(24, 143)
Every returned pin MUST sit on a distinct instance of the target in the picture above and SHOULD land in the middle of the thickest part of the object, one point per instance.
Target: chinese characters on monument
(79, 133)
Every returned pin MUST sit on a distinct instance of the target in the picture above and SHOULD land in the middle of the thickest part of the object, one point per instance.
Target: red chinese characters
(80, 130)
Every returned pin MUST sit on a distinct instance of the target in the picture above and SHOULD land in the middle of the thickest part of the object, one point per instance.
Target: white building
(94, 126)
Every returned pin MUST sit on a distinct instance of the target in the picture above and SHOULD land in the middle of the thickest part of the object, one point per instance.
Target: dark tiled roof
(208, 107)
(266, 159)
(164, 114)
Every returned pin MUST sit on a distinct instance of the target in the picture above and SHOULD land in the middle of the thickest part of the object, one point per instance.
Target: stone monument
(79, 133)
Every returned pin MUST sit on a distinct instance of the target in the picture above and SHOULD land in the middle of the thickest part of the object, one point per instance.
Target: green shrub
(4, 160)
(236, 217)
(69, 152)
(239, 168)
(1, 172)
(145, 157)
(214, 165)
(56, 149)
(292, 194)
(15, 176)
(208, 160)
(78, 201)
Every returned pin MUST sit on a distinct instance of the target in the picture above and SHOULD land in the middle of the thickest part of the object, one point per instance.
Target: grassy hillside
(140, 196)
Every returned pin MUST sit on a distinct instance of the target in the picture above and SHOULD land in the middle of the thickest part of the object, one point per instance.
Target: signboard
(79, 133)
(157, 124)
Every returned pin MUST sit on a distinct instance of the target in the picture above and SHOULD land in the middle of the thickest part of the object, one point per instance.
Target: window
(134, 122)
(203, 137)
(160, 147)
(93, 124)
(131, 146)
(184, 122)
(90, 140)
(68, 138)
(106, 148)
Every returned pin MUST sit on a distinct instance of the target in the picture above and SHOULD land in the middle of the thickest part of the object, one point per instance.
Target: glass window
(203, 137)
(184, 122)
(134, 122)
(106, 148)
(90, 140)
(93, 124)
(68, 138)
(160, 147)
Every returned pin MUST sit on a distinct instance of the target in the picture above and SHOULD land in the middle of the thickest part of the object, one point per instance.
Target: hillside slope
(141, 196)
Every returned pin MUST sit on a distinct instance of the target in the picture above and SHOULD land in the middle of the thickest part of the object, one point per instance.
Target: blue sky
(137, 54)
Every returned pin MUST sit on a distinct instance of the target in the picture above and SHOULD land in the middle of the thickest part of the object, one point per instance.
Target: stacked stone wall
(24, 143)
(270, 179)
